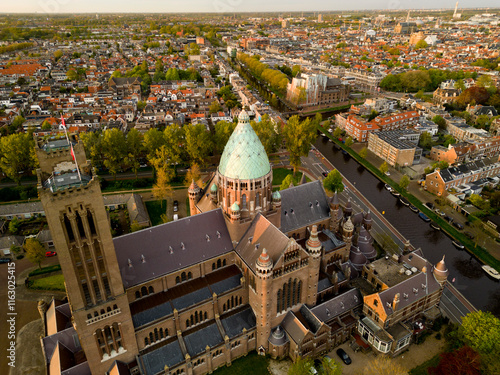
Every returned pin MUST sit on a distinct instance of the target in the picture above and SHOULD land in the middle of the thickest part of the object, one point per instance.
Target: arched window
(240, 300)
(187, 323)
(161, 333)
(196, 316)
(156, 334)
(166, 332)
(190, 275)
(102, 311)
(257, 200)
(144, 291)
(96, 314)
(244, 202)
(90, 220)
(278, 302)
(294, 293)
(89, 316)
(146, 341)
(69, 229)
(219, 263)
(299, 291)
(213, 266)
(224, 307)
(151, 338)
(205, 315)
(115, 307)
(223, 262)
(177, 280)
(151, 290)
(183, 276)
(108, 309)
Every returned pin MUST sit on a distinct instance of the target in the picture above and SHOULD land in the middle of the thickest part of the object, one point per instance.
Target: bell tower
(79, 224)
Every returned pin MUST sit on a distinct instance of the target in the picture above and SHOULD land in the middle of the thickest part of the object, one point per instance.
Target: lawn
(155, 210)
(422, 369)
(55, 282)
(279, 175)
(249, 365)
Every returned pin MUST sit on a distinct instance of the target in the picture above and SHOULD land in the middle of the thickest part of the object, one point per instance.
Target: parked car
(439, 212)
(324, 174)
(50, 254)
(343, 355)
(176, 206)
(470, 235)
(429, 205)
(458, 225)
(447, 218)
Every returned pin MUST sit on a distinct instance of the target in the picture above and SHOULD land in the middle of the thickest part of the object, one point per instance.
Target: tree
(426, 140)
(464, 361)
(349, 141)
(135, 149)
(481, 331)
(333, 182)
(383, 366)
(460, 85)
(404, 182)
(16, 250)
(483, 121)
(135, 226)
(479, 202)
(114, 148)
(384, 167)
(153, 140)
(298, 138)
(72, 74)
(421, 44)
(336, 133)
(301, 366)
(439, 121)
(193, 173)
(92, 143)
(363, 152)
(14, 225)
(448, 140)
(474, 94)
(35, 251)
(198, 143)
(285, 184)
(215, 107)
(17, 155)
(330, 367)
(162, 188)
(58, 54)
(223, 130)
(17, 122)
(266, 130)
(46, 125)
(296, 70)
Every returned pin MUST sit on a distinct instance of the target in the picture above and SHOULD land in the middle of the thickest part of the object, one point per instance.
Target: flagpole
(71, 147)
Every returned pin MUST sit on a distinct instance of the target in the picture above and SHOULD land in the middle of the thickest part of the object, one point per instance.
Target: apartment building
(396, 147)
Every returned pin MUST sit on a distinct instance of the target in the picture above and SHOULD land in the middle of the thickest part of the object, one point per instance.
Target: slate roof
(66, 337)
(234, 324)
(261, 234)
(197, 341)
(339, 305)
(172, 246)
(303, 205)
(155, 361)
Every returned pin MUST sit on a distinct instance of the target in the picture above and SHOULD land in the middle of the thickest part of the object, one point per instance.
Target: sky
(170, 6)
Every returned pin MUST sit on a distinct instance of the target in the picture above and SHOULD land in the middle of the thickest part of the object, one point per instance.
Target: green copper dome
(244, 156)
(235, 207)
(213, 189)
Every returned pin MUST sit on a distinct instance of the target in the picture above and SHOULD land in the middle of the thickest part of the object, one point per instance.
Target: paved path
(454, 304)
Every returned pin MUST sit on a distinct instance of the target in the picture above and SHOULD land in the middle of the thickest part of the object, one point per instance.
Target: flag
(72, 152)
(63, 123)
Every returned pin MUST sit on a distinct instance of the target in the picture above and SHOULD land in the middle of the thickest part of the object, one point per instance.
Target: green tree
(337, 132)
(215, 107)
(16, 250)
(153, 140)
(330, 367)
(135, 149)
(404, 182)
(162, 189)
(266, 130)
(301, 366)
(17, 155)
(333, 182)
(421, 44)
(114, 148)
(483, 121)
(349, 141)
(135, 226)
(46, 125)
(72, 74)
(296, 70)
(448, 140)
(58, 54)
(384, 167)
(17, 122)
(35, 251)
(14, 225)
(363, 152)
(298, 137)
(285, 184)
(223, 130)
(425, 140)
(440, 122)
(92, 143)
(198, 143)
(481, 331)
(460, 85)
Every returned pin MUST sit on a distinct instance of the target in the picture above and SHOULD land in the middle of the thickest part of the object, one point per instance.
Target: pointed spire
(441, 272)
(313, 244)
(194, 188)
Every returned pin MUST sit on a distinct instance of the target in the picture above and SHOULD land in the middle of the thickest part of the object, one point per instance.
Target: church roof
(172, 246)
(244, 157)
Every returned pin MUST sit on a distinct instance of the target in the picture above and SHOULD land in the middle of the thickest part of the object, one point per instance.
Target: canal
(466, 273)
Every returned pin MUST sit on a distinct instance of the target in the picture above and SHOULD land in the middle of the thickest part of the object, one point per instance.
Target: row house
(461, 131)
(439, 181)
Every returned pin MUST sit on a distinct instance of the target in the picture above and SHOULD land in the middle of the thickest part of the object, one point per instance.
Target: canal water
(466, 273)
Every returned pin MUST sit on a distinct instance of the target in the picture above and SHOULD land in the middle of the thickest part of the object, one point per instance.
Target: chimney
(395, 302)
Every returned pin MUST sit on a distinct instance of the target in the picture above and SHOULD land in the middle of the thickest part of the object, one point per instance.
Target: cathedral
(285, 273)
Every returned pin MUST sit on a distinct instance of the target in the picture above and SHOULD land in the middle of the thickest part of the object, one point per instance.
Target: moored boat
(458, 245)
(388, 187)
(435, 226)
(413, 208)
(424, 217)
(404, 201)
(395, 193)
(491, 271)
